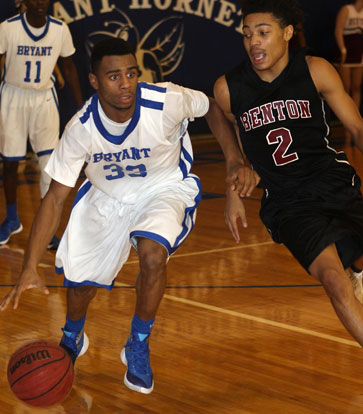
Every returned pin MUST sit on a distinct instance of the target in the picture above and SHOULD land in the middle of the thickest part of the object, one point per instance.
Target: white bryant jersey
(354, 22)
(30, 59)
(153, 151)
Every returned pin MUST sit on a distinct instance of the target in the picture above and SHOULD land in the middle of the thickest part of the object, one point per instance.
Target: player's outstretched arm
(28, 279)
(240, 176)
(330, 86)
(44, 226)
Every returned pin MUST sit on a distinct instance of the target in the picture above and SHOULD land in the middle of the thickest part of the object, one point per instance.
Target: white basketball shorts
(101, 230)
(27, 113)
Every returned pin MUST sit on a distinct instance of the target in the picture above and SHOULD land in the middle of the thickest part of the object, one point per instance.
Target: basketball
(40, 373)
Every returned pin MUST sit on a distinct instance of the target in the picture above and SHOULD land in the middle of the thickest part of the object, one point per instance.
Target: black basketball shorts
(327, 210)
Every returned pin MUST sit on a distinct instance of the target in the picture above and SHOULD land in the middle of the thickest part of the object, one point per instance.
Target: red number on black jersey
(281, 136)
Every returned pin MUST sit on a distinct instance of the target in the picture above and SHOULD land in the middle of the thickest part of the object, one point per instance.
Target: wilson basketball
(40, 373)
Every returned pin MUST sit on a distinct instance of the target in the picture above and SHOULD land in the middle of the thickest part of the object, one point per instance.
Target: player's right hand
(233, 212)
(27, 280)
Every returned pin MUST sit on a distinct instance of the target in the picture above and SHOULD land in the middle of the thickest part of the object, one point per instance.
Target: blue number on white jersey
(28, 65)
(141, 170)
(118, 172)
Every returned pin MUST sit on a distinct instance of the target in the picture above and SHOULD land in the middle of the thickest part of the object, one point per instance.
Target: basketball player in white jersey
(32, 43)
(139, 192)
(348, 36)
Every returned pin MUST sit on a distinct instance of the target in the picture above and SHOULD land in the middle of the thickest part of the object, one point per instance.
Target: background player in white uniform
(349, 39)
(139, 191)
(32, 43)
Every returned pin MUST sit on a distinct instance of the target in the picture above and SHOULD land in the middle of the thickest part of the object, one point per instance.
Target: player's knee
(152, 256)
(84, 292)
(152, 261)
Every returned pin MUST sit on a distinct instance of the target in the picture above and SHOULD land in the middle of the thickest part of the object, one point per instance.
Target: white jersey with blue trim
(31, 54)
(153, 149)
(354, 22)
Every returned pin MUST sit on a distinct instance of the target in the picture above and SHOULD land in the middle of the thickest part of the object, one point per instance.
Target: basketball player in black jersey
(312, 201)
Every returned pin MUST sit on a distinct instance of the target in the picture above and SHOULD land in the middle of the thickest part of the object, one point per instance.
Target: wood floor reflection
(242, 328)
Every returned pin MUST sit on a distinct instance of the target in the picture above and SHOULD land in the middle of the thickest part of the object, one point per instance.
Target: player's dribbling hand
(27, 280)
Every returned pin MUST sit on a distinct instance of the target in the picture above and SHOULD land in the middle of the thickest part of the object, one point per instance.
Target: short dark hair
(111, 46)
(285, 11)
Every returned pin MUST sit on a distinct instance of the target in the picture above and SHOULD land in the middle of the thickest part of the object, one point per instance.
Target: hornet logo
(158, 53)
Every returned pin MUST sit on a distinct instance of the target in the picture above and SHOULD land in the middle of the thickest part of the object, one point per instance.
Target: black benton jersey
(282, 125)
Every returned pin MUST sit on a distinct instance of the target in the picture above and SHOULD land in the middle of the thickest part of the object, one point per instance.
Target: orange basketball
(40, 373)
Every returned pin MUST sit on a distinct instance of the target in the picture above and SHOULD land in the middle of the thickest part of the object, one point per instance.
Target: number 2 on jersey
(281, 136)
(28, 65)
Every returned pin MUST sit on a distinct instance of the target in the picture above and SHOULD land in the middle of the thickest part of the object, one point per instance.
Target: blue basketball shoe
(135, 355)
(76, 344)
(8, 228)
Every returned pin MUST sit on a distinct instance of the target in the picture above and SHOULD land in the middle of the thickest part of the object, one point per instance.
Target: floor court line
(239, 314)
(258, 319)
(264, 321)
(224, 249)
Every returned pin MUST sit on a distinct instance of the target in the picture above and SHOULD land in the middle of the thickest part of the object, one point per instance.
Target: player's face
(115, 82)
(266, 43)
(37, 8)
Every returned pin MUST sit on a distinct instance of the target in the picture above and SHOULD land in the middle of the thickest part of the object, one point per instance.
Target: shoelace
(72, 342)
(138, 354)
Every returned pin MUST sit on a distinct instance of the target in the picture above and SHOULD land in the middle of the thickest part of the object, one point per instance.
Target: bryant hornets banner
(190, 42)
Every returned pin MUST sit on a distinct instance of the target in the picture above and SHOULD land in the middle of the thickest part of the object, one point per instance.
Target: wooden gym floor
(242, 328)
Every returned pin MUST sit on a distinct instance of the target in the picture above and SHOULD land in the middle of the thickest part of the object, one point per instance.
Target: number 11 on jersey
(28, 65)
